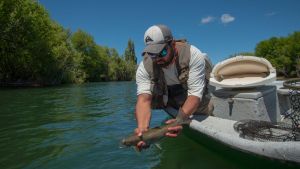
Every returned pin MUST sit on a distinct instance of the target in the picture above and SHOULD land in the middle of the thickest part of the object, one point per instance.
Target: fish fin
(158, 146)
(121, 145)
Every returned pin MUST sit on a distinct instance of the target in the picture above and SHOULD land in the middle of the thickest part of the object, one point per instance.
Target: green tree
(93, 63)
(33, 48)
(294, 50)
(114, 62)
(129, 68)
(277, 51)
(119, 68)
(130, 52)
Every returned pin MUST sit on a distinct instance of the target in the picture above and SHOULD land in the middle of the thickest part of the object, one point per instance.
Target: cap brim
(154, 48)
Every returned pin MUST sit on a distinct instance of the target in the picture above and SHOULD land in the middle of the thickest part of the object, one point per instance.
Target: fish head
(130, 141)
(125, 142)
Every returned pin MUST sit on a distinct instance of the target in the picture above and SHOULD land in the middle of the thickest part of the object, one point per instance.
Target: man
(172, 73)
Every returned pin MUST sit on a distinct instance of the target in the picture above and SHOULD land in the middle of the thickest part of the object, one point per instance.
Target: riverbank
(37, 84)
(21, 84)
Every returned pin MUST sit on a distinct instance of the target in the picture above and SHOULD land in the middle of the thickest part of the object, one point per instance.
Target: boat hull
(223, 131)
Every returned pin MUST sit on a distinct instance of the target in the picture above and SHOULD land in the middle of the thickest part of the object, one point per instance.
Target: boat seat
(242, 71)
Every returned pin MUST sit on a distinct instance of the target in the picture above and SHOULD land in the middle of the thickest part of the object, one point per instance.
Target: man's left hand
(173, 131)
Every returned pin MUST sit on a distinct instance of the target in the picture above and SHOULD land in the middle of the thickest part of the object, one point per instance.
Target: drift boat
(223, 131)
(251, 110)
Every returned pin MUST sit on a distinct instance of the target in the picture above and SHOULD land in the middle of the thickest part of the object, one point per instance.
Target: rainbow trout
(152, 135)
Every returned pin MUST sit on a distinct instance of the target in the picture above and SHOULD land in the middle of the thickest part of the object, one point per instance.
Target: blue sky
(217, 27)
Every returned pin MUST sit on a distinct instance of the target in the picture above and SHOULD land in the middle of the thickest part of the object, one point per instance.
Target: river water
(80, 126)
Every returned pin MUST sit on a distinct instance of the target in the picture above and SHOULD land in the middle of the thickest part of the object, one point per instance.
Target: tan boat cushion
(243, 70)
(242, 79)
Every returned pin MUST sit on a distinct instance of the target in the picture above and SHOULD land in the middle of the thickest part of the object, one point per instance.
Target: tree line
(282, 52)
(36, 50)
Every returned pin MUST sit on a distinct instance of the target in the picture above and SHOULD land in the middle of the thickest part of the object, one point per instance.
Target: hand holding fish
(143, 138)
(141, 144)
(173, 131)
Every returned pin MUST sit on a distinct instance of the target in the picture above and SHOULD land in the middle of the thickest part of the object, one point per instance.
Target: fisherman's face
(164, 58)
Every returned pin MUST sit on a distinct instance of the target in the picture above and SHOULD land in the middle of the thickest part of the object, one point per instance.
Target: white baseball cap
(156, 38)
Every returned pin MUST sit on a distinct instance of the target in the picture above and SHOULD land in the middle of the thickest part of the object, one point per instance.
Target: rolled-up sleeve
(142, 80)
(196, 80)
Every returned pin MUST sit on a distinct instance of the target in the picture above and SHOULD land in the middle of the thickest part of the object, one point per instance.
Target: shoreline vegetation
(282, 52)
(36, 51)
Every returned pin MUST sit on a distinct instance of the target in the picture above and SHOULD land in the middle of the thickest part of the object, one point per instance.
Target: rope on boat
(294, 94)
(268, 131)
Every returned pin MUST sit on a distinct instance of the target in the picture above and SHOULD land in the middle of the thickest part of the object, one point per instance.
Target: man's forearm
(143, 111)
(190, 105)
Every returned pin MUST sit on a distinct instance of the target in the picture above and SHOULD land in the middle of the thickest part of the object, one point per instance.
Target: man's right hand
(140, 145)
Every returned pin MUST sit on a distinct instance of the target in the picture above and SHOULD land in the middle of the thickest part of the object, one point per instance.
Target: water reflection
(45, 126)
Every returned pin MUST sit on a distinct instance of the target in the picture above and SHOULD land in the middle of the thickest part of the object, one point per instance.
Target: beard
(165, 62)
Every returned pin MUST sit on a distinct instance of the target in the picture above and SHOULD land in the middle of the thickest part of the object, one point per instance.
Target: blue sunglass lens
(164, 52)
